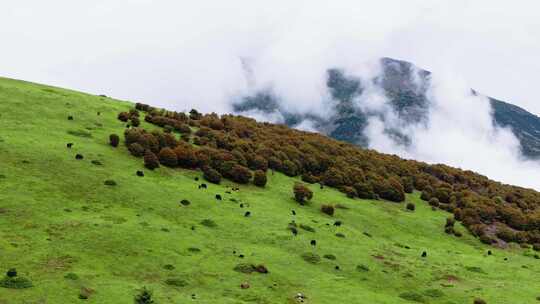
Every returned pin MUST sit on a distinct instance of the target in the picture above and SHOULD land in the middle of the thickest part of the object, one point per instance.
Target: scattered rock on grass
(71, 276)
(433, 293)
(110, 182)
(413, 297)
(307, 228)
(85, 293)
(209, 223)
(329, 257)
(362, 268)
(13, 281)
(194, 249)
(176, 282)
(311, 257)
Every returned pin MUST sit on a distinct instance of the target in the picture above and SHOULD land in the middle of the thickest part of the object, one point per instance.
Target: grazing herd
(329, 210)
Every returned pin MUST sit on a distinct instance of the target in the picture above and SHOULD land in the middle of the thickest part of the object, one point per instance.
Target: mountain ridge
(405, 86)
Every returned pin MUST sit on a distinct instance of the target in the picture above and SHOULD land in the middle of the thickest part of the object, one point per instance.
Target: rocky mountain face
(405, 88)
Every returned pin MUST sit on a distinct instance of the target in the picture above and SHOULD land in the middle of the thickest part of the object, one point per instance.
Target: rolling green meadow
(70, 234)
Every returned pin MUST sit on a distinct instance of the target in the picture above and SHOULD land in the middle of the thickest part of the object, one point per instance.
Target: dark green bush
(184, 129)
(426, 195)
(185, 156)
(136, 149)
(259, 178)
(240, 174)
(408, 185)
(486, 239)
(302, 193)
(135, 121)
(167, 157)
(349, 191)
(275, 164)
(364, 190)
(150, 160)
(327, 209)
(411, 206)
(123, 116)
(309, 178)
(333, 178)
(434, 202)
(289, 168)
(212, 175)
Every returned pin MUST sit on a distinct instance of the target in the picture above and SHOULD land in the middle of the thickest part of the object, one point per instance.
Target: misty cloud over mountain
(394, 107)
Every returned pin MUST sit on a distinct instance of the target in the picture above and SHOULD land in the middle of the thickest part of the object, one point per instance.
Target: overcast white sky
(186, 53)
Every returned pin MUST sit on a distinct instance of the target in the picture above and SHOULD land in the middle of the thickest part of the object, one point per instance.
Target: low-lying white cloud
(460, 133)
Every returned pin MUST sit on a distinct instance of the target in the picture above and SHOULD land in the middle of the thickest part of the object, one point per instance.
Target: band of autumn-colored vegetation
(231, 147)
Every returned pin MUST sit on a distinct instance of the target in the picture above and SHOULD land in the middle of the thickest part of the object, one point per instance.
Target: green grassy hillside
(69, 233)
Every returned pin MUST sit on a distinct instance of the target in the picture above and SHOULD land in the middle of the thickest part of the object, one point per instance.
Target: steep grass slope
(69, 233)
